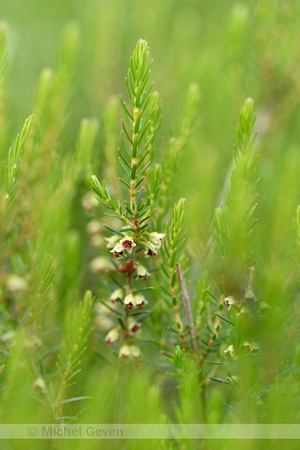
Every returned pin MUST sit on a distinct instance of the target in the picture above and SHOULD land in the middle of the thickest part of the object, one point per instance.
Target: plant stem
(189, 317)
(187, 307)
(61, 389)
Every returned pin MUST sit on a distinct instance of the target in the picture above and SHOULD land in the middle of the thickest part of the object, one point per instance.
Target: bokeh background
(233, 50)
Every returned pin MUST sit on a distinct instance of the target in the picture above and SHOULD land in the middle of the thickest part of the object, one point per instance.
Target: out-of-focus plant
(36, 197)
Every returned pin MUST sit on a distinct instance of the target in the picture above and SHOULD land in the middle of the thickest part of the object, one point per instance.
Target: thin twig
(187, 307)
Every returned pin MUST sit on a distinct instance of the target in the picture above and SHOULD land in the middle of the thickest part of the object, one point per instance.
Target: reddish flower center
(136, 328)
(108, 341)
(151, 253)
(130, 306)
(127, 244)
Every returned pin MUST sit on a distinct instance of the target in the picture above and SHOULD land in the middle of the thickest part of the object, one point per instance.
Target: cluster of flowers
(133, 328)
(130, 300)
(122, 248)
(248, 346)
(129, 351)
(230, 302)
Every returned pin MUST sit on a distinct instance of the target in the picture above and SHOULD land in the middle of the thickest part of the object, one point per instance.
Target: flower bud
(16, 285)
(142, 272)
(39, 385)
(111, 241)
(135, 352)
(231, 352)
(89, 203)
(124, 352)
(229, 302)
(117, 294)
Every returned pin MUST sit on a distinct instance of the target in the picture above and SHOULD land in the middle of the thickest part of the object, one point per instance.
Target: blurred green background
(231, 49)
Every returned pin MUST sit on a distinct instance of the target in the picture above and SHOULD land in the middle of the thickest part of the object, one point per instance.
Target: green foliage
(15, 156)
(178, 360)
(233, 221)
(150, 343)
(136, 213)
(173, 253)
(75, 346)
(297, 230)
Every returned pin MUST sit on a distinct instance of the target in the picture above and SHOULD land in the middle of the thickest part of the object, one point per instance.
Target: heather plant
(168, 293)
(173, 319)
(127, 242)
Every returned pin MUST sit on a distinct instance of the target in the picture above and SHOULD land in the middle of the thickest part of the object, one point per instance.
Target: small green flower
(250, 347)
(103, 316)
(136, 299)
(94, 227)
(229, 302)
(262, 305)
(97, 242)
(89, 203)
(127, 351)
(243, 310)
(123, 247)
(111, 241)
(154, 243)
(231, 352)
(118, 251)
(129, 301)
(156, 239)
(112, 336)
(135, 352)
(15, 284)
(39, 385)
(140, 301)
(100, 264)
(150, 252)
(117, 294)
(127, 243)
(133, 326)
(142, 272)
(124, 352)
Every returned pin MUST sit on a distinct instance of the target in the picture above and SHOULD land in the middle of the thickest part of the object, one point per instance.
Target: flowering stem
(129, 282)
(61, 390)
(213, 337)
